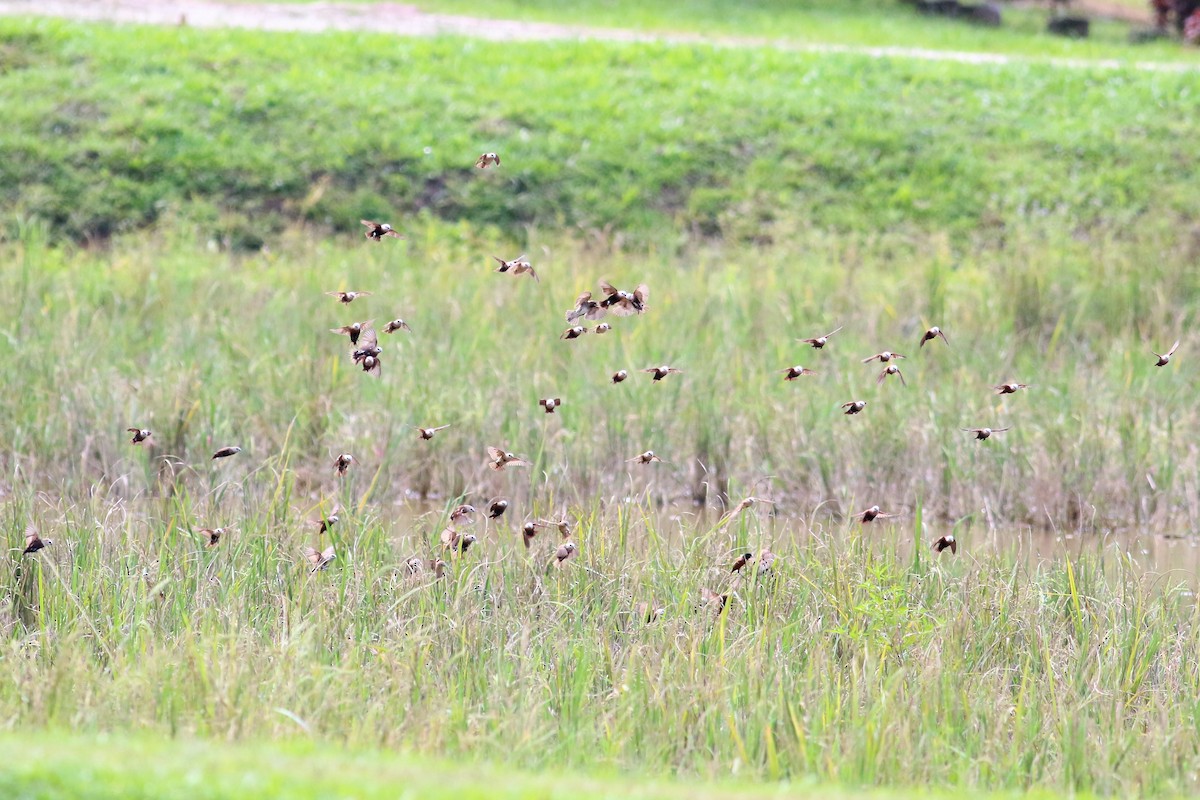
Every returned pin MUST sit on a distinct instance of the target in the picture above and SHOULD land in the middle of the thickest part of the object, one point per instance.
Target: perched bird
(1165, 358)
(943, 542)
(661, 372)
(765, 561)
(348, 297)
(890, 369)
(416, 567)
(792, 373)
(883, 357)
(212, 536)
(457, 542)
(983, 433)
(1010, 388)
(342, 463)
(565, 552)
(854, 406)
(619, 376)
(437, 567)
(712, 600)
(428, 433)
(397, 325)
(871, 514)
(327, 521)
(622, 303)
(368, 353)
(464, 513)
(501, 459)
(819, 342)
(550, 403)
(647, 457)
(320, 559)
(742, 560)
(487, 160)
(226, 452)
(602, 329)
(587, 308)
(33, 542)
(574, 333)
(518, 265)
(932, 334)
(140, 436)
(377, 230)
(497, 508)
(648, 612)
(353, 330)
(563, 525)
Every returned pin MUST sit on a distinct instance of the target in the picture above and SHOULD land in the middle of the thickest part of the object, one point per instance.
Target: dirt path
(404, 20)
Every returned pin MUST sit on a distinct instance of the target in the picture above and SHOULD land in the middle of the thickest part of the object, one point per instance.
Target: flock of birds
(366, 353)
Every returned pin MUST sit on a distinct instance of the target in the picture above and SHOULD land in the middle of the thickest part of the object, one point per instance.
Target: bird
(854, 406)
(932, 334)
(320, 559)
(943, 542)
(487, 160)
(1165, 358)
(890, 369)
(496, 508)
(711, 599)
(327, 521)
(661, 372)
(871, 514)
(1010, 388)
(518, 265)
(742, 560)
(377, 230)
(622, 303)
(371, 365)
(226, 452)
(765, 560)
(348, 297)
(550, 403)
(819, 342)
(528, 532)
(33, 542)
(428, 433)
(565, 552)
(464, 513)
(602, 329)
(742, 506)
(367, 355)
(140, 436)
(983, 433)
(212, 536)
(587, 308)
(883, 357)
(457, 542)
(575, 332)
(563, 525)
(501, 459)
(619, 376)
(342, 463)
(647, 457)
(353, 330)
(792, 373)
(397, 325)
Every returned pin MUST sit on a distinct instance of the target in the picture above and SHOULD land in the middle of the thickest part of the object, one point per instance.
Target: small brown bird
(397, 325)
(518, 265)
(212, 536)
(1010, 388)
(882, 358)
(563, 525)
(550, 403)
(619, 376)
(367, 355)
(983, 433)
(943, 542)
(565, 552)
(932, 334)
(377, 230)
(602, 329)
(33, 542)
(428, 433)
(647, 457)
(501, 459)
(624, 304)
(348, 297)
(342, 463)
(327, 521)
(890, 369)
(819, 342)
(765, 560)
(226, 452)
(140, 436)
(742, 506)
(792, 373)
(871, 514)
(528, 532)
(712, 600)
(743, 560)
(661, 372)
(854, 406)
(353, 330)
(575, 332)
(464, 513)
(457, 542)
(1165, 358)
(487, 160)
(319, 559)
(586, 308)
(497, 508)
(438, 568)
(371, 365)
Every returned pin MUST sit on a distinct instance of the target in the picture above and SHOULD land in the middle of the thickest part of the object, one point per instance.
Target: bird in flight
(501, 459)
(377, 230)
(882, 358)
(661, 372)
(932, 334)
(140, 436)
(1165, 358)
(890, 369)
(342, 463)
(518, 265)
(226, 452)
(983, 433)
(819, 342)
(1010, 388)
(320, 559)
(348, 297)
(487, 160)
(33, 542)
(622, 303)
(945, 542)
(428, 433)
(353, 330)
(792, 373)
(647, 457)
(550, 403)
(871, 514)
(854, 406)
(397, 325)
